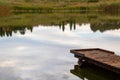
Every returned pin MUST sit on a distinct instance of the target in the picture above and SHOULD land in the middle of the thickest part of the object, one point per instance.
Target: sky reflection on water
(44, 53)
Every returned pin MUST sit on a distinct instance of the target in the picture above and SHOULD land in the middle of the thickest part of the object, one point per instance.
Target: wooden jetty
(99, 57)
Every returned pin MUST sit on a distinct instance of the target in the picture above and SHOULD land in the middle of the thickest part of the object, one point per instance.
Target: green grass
(49, 6)
(58, 10)
(56, 18)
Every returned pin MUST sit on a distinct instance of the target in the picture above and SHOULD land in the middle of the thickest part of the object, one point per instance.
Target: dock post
(81, 61)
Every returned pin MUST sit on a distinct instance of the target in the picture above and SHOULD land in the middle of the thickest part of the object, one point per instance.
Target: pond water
(42, 52)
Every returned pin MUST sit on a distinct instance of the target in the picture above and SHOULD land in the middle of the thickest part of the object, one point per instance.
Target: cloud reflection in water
(44, 54)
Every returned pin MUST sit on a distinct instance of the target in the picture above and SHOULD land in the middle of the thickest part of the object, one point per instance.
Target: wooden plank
(100, 57)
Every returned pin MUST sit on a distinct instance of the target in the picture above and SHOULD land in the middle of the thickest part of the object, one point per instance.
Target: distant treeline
(105, 25)
(38, 1)
(105, 9)
(49, 7)
(102, 26)
(8, 31)
(21, 9)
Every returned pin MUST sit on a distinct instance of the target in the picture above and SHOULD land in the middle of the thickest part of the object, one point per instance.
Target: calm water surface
(43, 54)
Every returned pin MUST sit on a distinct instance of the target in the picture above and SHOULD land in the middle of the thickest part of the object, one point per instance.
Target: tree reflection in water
(7, 31)
(102, 27)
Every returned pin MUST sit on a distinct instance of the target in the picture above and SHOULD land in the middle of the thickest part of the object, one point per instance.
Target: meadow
(37, 6)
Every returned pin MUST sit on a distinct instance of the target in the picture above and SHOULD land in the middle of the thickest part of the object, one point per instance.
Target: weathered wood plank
(100, 57)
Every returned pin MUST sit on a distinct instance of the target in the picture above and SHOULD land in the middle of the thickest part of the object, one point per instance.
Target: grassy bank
(48, 19)
(23, 22)
(38, 6)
